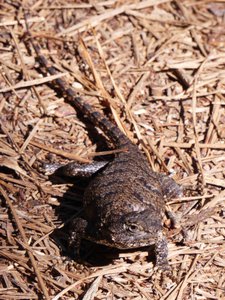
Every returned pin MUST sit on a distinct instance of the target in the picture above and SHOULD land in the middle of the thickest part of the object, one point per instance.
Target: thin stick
(26, 245)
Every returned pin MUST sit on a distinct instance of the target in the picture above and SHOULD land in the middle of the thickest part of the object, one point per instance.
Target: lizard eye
(133, 227)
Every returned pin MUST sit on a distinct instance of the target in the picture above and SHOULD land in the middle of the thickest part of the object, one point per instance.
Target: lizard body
(125, 200)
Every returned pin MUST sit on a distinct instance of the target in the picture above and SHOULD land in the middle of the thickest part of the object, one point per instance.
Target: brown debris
(156, 67)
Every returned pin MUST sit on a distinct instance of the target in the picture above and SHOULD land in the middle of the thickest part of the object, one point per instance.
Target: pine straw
(157, 69)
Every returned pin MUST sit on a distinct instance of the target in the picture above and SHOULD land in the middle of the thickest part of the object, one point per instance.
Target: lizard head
(134, 229)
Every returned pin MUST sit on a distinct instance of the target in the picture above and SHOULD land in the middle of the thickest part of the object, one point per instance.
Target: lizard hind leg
(170, 188)
(74, 169)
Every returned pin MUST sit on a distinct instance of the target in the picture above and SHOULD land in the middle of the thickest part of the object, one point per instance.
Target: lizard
(124, 202)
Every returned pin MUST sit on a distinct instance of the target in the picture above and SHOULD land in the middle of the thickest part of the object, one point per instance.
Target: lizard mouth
(128, 243)
(133, 242)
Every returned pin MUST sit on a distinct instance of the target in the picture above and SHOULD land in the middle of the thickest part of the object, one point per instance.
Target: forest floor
(157, 69)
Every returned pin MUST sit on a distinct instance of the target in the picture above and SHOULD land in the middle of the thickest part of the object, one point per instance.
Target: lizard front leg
(77, 231)
(161, 252)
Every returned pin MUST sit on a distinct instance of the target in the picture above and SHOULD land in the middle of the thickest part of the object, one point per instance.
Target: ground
(154, 67)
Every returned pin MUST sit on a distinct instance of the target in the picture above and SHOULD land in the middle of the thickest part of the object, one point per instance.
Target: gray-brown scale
(125, 200)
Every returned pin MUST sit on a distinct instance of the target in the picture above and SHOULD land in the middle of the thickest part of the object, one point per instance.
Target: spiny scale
(125, 199)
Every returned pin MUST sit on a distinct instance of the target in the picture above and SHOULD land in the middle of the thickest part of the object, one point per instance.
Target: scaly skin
(125, 199)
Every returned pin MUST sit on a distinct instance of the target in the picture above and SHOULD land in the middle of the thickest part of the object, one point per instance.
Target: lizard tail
(111, 130)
